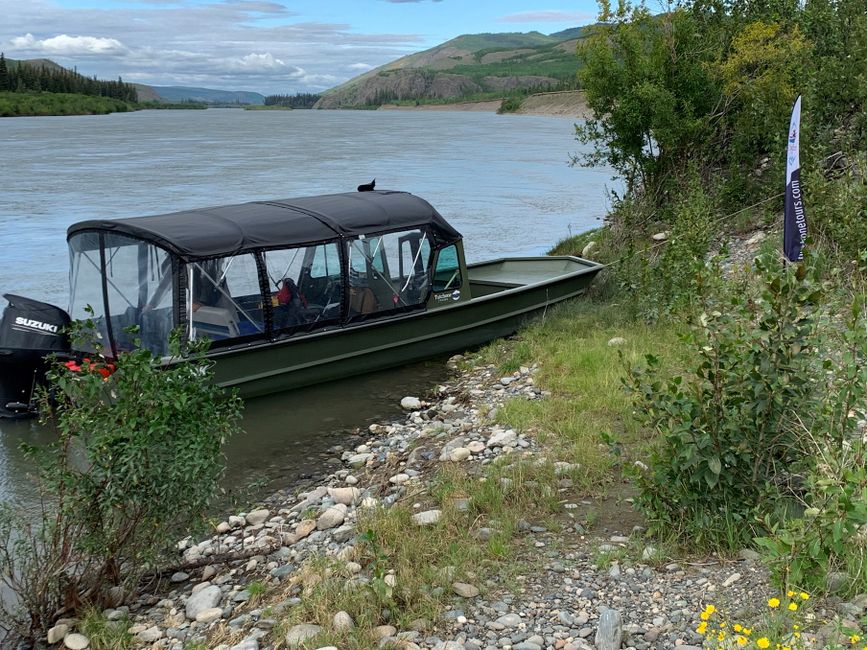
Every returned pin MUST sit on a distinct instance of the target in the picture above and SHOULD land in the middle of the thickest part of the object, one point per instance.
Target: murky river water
(503, 181)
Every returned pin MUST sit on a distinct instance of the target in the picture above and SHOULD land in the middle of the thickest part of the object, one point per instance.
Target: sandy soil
(568, 103)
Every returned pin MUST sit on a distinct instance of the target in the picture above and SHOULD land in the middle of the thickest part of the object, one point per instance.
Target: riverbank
(30, 104)
(570, 103)
(490, 516)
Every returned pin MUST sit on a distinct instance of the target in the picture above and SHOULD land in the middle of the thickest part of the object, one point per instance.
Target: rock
(410, 403)
(304, 528)
(476, 446)
(180, 576)
(459, 454)
(616, 341)
(343, 622)
(332, 517)
(585, 252)
(56, 634)
(383, 632)
(505, 438)
(209, 615)
(465, 590)
(660, 236)
(509, 620)
(249, 643)
(359, 460)
(298, 634)
(748, 555)
(76, 641)
(150, 635)
(609, 633)
(733, 578)
(201, 600)
(398, 479)
(347, 496)
(258, 517)
(427, 518)
(836, 581)
(755, 239)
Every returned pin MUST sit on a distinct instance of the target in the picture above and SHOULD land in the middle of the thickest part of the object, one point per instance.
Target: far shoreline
(568, 103)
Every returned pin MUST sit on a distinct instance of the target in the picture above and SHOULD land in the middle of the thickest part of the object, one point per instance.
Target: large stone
(609, 633)
(248, 643)
(345, 495)
(343, 622)
(616, 341)
(56, 634)
(304, 528)
(258, 516)
(76, 641)
(509, 620)
(150, 635)
(505, 438)
(359, 460)
(383, 632)
(298, 634)
(427, 518)
(585, 252)
(459, 454)
(209, 615)
(332, 517)
(201, 600)
(465, 590)
(450, 446)
(410, 403)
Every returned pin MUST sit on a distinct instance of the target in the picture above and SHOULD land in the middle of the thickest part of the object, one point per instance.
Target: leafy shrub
(727, 440)
(137, 457)
(831, 537)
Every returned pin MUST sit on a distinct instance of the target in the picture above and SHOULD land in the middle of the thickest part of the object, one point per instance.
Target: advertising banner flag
(795, 219)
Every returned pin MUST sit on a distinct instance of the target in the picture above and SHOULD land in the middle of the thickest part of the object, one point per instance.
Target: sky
(268, 46)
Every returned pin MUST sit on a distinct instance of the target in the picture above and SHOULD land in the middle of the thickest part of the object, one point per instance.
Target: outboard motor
(29, 331)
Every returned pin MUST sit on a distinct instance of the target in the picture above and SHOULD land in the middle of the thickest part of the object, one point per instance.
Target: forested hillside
(469, 67)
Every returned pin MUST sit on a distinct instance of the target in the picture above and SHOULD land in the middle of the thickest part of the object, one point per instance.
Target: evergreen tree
(4, 74)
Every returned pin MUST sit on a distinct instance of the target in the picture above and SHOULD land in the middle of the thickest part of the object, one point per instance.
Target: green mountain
(472, 66)
(208, 95)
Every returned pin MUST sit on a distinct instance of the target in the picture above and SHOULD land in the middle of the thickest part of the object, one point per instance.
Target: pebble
(76, 641)
(298, 634)
(427, 518)
(465, 590)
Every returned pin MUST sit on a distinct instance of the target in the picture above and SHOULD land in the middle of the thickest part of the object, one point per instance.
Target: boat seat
(215, 322)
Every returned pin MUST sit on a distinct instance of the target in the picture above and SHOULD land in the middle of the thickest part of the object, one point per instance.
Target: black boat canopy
(233, 229)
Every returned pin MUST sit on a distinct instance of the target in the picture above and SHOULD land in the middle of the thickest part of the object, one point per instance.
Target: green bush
(830, 536)
(728, 444)
(137, 458)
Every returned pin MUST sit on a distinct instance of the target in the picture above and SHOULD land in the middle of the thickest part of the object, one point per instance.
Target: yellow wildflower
(747, 631)
(741, 640)
(704, 616)
(793, 607)
(710, 609)
(790, 593)
(774, 602)
(720, 635)
(737, 627)
(854, 639)
(804, 595)
(702, 628)
(763, 643)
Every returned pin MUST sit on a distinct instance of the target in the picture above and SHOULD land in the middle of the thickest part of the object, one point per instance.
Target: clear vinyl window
(138, 285)
(305, 285)
(388, 272)
(223, 299)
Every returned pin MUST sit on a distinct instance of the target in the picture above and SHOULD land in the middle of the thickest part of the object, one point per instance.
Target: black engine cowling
(29, 332)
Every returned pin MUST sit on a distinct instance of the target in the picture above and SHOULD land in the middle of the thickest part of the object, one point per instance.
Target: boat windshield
(128, 284)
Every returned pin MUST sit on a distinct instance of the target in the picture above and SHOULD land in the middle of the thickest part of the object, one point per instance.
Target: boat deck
(498, 275)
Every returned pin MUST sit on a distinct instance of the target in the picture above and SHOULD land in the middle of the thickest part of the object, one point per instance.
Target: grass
(105, 634)
(588, 408)
(44, 103)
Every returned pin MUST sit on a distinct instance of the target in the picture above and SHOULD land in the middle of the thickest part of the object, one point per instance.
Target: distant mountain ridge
(208, 95)
(468, 66)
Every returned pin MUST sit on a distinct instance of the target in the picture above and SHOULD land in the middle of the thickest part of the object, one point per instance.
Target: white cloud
(64, 45)
(547, 16)
(233, 44)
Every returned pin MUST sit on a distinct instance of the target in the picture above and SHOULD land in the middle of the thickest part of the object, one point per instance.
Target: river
(503, 181)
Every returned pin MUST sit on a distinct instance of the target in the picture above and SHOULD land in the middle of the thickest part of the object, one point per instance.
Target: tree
(5, 84)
